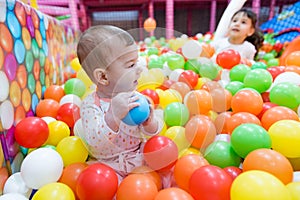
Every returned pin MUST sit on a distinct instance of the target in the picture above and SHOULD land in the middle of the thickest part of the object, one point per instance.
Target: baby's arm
(223, 25)
(154, 124)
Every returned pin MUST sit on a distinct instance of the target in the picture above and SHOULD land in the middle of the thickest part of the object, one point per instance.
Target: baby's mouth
(235, 30)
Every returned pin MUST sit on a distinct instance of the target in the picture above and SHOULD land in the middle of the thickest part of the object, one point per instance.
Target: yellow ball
(54, 191)
(258, 185)
(75, 64)
(285, 136)
(294, 189)
(57, 131)
(72, 150)
(177, 135)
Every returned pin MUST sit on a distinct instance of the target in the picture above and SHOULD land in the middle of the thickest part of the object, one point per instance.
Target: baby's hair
(95, 44)
(257, 37)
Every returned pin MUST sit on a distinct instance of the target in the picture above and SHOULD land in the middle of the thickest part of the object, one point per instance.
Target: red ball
(233, 171)
(228, 58)
(160, 153)
(275, 71)
(31, 132)
(189, 77)
(97, 181)
(68, 113)
(152, 94)
(210, 182)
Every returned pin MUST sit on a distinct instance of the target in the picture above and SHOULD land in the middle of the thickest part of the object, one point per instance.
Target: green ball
(176, 114)
(273, 62)
(156, 62)
(258, 79)
(234, 86)
(175, 61)
(249, 137)
(238, 72)
(221, 154)
(74, 86)
(259, 65)
(268, 56)
(192, 64)
(209, 70)
(285, 94)
(152, 51)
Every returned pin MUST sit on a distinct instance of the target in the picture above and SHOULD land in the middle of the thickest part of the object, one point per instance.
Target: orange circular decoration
(1, 57)
(20, 13)
(26, 38)
(6, 40)
(149, 24)
(47, 81)
(19, 114)
(54, 92)
(38, 89)
(22, 76)
(293, 59)
(35, 19)
(15, 93)
(26, 99)
(38, 37)
(36, 70)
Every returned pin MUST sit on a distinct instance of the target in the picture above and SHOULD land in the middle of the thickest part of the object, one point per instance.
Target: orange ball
(54, 92)
(149, 24)
(185, 167)
(181, 87)
(241, 118)
(200, 131)
(277, 113)
(147, 171)
(173, 193)
(240, 102)
(198, 102)
(293, 59)
(136, 187)
(71, 173)
(292, 68)
(271, 161)
(221, 122)
(47, 108)
(221, 99)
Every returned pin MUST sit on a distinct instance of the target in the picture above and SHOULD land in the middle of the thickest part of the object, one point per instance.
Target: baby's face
(123, 72)
(240, 26)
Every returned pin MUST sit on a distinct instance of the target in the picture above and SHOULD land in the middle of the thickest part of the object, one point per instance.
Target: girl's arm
(223, 25)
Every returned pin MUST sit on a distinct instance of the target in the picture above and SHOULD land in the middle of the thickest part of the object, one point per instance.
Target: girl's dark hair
(257, 38)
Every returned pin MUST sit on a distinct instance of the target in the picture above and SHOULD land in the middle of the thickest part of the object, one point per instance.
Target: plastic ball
(200, 131)
(75, 64)
(175, 61)
(198, 101)
(191, 49)
(215, 183)
(147, 171)
(54, 92)
(189, 77)
(238, 72)
(228, 58)
(271, 161)
(138, 114)
(97, 181)
(240, 118)
(177, 135)
(47, 108)
(68, 113)
(57, 131)
(31, 132)
(160, 153)
(176, 114)
(54, 191)
(221, 154)
(149, 24)
(75, 86)
(137, 186)
(256, 184)
(258, 79)
(185, 167)
(173, 193)
(293, 59)
(249, 137)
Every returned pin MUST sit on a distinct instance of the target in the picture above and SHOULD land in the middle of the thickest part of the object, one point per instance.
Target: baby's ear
(251, 31)
(100, 76)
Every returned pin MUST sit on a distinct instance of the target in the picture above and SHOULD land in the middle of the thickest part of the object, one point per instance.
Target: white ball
(15, 184)
(13, 196)
(191, 49)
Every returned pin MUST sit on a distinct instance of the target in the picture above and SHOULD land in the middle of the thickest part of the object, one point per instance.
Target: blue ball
(138, 114)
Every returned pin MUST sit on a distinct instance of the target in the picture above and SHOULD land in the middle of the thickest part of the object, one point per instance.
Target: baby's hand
(122, 103)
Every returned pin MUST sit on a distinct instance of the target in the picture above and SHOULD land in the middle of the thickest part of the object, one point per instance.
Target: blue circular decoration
(13, 25)
(11, 4)
(19, 50)
(42, 29)
(45, 47)
(3, 11)
(34, 102)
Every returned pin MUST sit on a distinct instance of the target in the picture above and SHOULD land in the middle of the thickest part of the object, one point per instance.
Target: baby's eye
(132, 65)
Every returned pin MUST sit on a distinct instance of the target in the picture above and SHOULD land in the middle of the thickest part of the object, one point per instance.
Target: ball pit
(214, 115)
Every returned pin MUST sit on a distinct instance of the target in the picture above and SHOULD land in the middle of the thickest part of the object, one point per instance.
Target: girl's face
(123, 73)
(240, 27)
